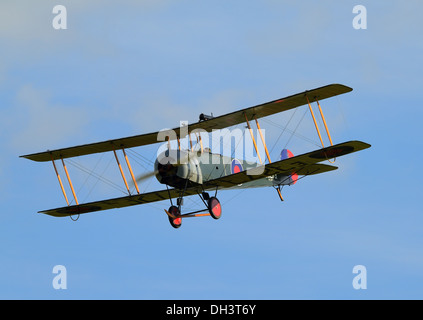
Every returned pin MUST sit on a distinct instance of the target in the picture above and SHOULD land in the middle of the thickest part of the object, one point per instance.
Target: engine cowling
(174, 167)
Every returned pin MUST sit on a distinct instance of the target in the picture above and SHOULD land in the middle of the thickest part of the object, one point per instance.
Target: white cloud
(159, 111)
(34, 122)
(27, 19)
(296, 30)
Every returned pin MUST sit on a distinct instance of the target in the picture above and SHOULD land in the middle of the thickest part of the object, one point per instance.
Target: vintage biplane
(201, 172)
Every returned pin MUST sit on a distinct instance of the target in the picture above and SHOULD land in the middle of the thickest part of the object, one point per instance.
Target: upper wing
(219, 122)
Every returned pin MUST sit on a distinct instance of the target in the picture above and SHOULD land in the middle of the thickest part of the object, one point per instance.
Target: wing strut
(60, 180)
(267, 153)
(252, 137)
(201, 142)
(324, 122)
(315, 122)
(262, 140)
(121, 172)
(70, 182)
(130, 171)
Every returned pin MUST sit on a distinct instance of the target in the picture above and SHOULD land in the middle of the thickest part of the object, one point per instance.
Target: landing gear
(215, 208)
(177, 221)
(212, 204)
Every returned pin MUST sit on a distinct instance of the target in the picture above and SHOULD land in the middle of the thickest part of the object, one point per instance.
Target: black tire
(215, 208)
(175, 222)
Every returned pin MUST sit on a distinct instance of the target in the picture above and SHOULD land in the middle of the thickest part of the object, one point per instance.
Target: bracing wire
(95, 184)
(284, 128)
(99, 177)
(293, 132)
(88, 176)
(296, 128)
(140, 159)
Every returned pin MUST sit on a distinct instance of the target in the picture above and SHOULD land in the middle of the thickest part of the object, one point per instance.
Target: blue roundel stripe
(236, 166)
(286, 154)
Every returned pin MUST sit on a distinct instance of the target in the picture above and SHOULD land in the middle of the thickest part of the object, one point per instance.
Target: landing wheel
(215, 208)
(175, 222)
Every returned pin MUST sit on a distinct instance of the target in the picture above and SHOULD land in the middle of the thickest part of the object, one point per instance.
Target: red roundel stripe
(285, 154)
(236, 166)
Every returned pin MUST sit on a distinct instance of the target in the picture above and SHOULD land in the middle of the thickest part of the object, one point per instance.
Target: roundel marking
(236, 166)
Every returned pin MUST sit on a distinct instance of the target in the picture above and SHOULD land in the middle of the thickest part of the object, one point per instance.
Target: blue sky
(131, 67)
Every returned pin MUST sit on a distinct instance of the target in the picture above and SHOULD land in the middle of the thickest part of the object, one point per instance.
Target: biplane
(190, 172)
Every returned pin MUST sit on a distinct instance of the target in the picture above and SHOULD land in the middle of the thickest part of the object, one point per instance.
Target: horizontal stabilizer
(301, 164)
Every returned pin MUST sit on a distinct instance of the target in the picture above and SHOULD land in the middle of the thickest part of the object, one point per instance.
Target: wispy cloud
(35, 122)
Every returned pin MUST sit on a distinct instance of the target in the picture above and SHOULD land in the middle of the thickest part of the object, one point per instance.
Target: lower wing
(305, 164)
